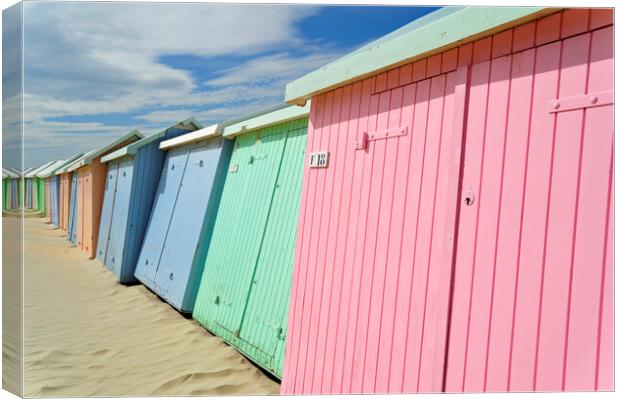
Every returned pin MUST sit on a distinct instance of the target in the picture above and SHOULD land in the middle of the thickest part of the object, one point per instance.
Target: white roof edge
(47, 172)
(261, 120)
(9, 173)
(88, 158)
(132, 148)
(196, 135)
(34, 172)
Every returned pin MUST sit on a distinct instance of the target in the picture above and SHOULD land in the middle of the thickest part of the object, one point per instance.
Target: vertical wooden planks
(535, 209)
(424, 243)
(389, 117)
(118, 223)
(405, 100)
(415, 105)
(109, 197)
(527, 314)
(467, 233)
(338, 151)
(344, 254)
(87, 211)
(605, 349)
(489, 204)
(316, 238)
(384, 271)
(72, 223)
(79, 231)
(358, 314)
(361, 188)
(375, 246)
(323, 277)
(592, 216)
(405, 334)
(559, 261)
(346, 141)
(508, 239)
(415, 347)
(291, 374)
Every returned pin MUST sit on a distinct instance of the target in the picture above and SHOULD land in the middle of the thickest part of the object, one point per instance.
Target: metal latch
(382, 134)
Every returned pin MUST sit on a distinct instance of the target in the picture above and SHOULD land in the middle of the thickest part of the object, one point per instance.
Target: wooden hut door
(162, 212)
(107, 210)
(15, 194)
(178, 272)
(61, 202)
(87, 214)
(120, 216)
(79, 230)
(257, 160)
(73, 207)
(48, 200)
(533, 295)
(370, 294)
(265, 314)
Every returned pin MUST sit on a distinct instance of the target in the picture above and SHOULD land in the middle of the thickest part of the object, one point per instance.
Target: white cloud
(102, 58)
(208, 117)
(107, 51)
(281, 66)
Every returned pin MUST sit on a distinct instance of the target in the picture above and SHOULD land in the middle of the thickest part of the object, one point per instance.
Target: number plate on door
(319, 159)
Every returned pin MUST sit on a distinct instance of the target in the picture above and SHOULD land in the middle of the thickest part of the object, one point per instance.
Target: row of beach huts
(437, 218)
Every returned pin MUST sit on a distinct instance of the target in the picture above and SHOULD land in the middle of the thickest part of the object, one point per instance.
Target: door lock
(469, 198)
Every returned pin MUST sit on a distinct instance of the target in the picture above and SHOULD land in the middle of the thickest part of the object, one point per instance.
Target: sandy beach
(86, 335)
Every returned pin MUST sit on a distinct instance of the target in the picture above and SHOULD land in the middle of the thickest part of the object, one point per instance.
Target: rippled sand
(87, 335)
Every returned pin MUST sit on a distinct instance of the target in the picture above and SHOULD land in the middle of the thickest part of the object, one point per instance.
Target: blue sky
(94, 71)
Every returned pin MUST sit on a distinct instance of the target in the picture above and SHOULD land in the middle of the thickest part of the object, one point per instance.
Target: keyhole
(201, 163)
(171, 276)
(469, 198)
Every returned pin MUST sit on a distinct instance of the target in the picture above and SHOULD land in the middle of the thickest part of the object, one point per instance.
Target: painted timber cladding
(533, 292)
(41, 195)
(128, 198)
(5, 192)
(28, 194)
(181, 222)
(244, 292)
(54, 199)
(64, 200)
(33, 191)
(48, 199)
(72, 219)
(531, 298)
(14, 193)
(91, 179)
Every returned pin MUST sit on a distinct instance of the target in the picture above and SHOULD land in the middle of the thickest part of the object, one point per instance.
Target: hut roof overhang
(132, 149)
(438, 31)
(268, 117)
(33, 173)
(88, 158)
(48, 171)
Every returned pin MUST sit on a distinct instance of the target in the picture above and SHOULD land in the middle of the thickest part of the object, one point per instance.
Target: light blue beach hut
(181, 222)
(131, 183)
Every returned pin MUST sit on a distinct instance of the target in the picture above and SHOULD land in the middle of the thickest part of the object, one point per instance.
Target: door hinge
(596, 99)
